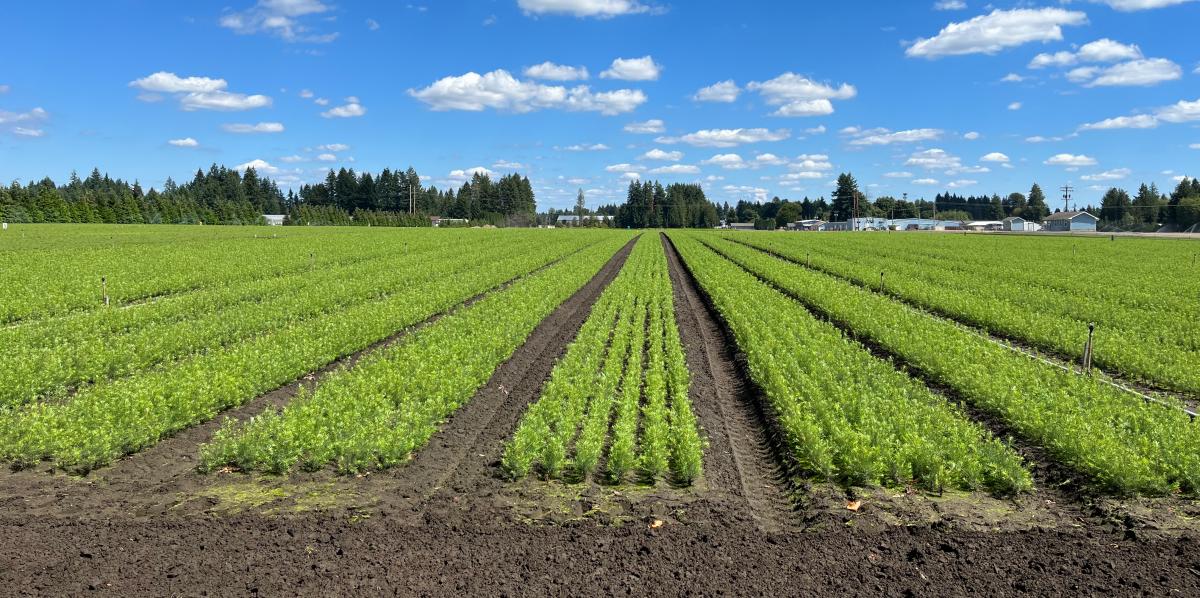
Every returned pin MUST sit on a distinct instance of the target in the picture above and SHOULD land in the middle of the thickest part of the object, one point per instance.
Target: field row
(618, 401)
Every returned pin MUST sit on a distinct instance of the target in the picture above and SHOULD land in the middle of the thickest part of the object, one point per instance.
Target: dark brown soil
(448, 524)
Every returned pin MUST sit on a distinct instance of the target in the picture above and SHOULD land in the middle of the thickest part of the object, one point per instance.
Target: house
(274, 219)
(1070, 222)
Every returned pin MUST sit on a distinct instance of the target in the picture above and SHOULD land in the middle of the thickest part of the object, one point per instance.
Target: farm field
(306, 409)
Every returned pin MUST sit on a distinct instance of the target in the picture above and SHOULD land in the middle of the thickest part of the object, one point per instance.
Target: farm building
(921, 224)
(438, 221)
(741, 226)
(1018, 224)
(806, 225)
(572, 220)
(1071, 222)
(984, 225)
(274, 219)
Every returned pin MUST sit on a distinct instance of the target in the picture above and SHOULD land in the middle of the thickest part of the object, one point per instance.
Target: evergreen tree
(1036, 210)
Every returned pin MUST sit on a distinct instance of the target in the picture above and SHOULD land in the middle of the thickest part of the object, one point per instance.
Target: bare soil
(448, 523)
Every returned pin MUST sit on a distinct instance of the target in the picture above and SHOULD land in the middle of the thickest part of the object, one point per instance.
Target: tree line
(228, 196)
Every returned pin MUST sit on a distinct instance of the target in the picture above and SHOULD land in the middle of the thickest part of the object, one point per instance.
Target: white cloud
(556, 72)
(4, 89)
(725, 91)
(796, 95)
(463, 175)
(995, 157)
(657, 154)
(1195, 146)
(898, 175)
(1070, 160)
(925, 181)
(321, 102)
(1107, 50)
(185, 142)
(292, 159)
(306, 93)
(258, 128)
(631, 176)
(583, 8)
(817, 130)
(279, 18)
(333, 147)
(949, 5)
(350, 109)
(27, 132)
(372, 24)
(633, 69)
(499, 90)
(769, 160)
(1015, 106)
(653, 125)
(934, 159)
(223, 101)
(1139, 121)
(1046, 60)
(505, 164)
(624, 167)
(754, 193)
(959, 184)
(889, 137)
(1041, 139)
(811, 162)
(971, 135)
(1109, 175)
(327, 158)
(1132, 5)
(165, 82)
(728, 137)
(259, 165)
(676, 169)
(727, 161)
(1012, 78)
(991, 33)
(1150, 71)
(37, 114)
(803, 175)
(1180, 112)
(586, 147)
(489, 20)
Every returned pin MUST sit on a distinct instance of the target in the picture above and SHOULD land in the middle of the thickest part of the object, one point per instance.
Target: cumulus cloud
(651, 126)
(1012, 78)
(197, 93)
(624, 167)
(1135, 73)
(993, 32)
(949, 5)
(1108, 175)
(886, 137)
(281, 18)
(257, 128)
(499, 90)
(971, 135)
(1180, 112)
(898, 175)
(372, 24)
(1139, 121)
(817, 162)
(725, 91)
(28, 132)
(583, 8)
(585, 147)
(1070, 160)
(465, 174)
(556, 72)
(796, 95)
(676, 169)
(184, 142)
(1132, 5)
(333, 147)
(934, 159)
(757, 194)
(505, 164)
(658, 154)
(960, 183)
(728, 137)
(996, 157)
(769, 160)
(925, 181)
(633, 69)
(727, 161)
(1015, 106)
(327, 157)
(352, 108)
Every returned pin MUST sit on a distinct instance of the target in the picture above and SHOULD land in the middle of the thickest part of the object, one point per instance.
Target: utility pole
(1067, 189)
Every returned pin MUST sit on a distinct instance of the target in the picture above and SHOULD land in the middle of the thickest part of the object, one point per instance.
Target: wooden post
(881, 282)
(104, 289)
(312, 260)
(808, 259)
(1087, 349)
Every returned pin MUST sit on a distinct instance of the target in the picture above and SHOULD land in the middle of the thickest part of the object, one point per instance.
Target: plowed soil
(447, 523)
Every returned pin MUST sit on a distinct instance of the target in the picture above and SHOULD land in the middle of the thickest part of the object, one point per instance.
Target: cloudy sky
(752, 99)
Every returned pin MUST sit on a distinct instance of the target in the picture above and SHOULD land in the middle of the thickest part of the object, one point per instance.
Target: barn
(1065, 222)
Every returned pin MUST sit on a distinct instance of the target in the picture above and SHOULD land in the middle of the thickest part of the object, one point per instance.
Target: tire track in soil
(741, 459)
(1061, 487)
(151, 481)
(461, 460)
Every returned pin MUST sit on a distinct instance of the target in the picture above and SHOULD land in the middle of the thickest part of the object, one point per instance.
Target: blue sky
(752, 99)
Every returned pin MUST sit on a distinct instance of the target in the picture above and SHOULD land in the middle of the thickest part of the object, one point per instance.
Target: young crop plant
(1123, 443)
(376, 414)
(116, 417)
(622, 386)
(847, 416)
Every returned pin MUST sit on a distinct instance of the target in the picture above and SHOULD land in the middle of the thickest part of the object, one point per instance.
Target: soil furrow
(741, 459)
(460, 464)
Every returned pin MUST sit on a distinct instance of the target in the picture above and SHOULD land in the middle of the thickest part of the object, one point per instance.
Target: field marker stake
(104, 289)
